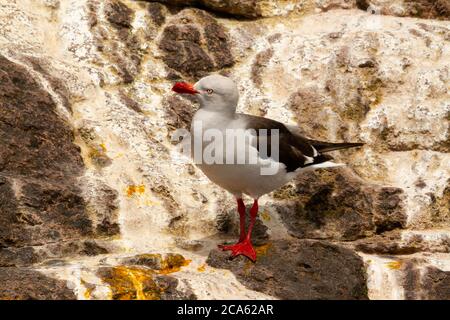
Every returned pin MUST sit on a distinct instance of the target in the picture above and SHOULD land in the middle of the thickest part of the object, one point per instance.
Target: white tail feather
(327, 164)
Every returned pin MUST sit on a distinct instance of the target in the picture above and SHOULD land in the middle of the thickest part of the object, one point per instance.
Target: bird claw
(244, 248)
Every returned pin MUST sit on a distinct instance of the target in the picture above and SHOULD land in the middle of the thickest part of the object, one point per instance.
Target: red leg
(241, 210)
(253, 214)
(245, 247)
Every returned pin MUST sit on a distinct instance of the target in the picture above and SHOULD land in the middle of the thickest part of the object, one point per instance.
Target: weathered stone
(194, 43)
(261, 60)
(425, 9)
(106, 68)
(428, 284)
(156, 11)
(261, 8)
(299, 270)
(22, 256)
(228, 223)
(138, 283)
(25, 284)
(402, 243)
(246, 8)
(118, 14)
(126, 62)
(35, 141)
(169, 263)
(337, 205)
(178, 112)
(40, 163)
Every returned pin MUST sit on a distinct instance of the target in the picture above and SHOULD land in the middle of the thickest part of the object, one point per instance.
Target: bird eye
(209, 91)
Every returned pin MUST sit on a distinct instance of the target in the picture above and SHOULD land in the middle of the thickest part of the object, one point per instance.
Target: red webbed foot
(243, 247)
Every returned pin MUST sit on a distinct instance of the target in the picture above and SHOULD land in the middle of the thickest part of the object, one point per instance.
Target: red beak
(183, 87)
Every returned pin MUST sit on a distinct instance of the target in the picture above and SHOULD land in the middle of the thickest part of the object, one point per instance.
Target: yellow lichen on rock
(201, 268)
(265, 216)
(394, 265)
(173, 263)
(135, 189)
(132, 283)
(262, 250)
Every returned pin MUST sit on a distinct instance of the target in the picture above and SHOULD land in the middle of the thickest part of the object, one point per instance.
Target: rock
(23, 256)
(134, 283)
(337, 205)
(124, 64)
(25, 284)
(156, 11)
(299, 269)
(190, 245)
(405, 242)
(88, 170)
(246, 8)
(428, 284)
(41, 201)
(118, 14)
(194, 44)
(425, 9)
(178, 113)
(36, 142)
(228, 223)
(261, 8)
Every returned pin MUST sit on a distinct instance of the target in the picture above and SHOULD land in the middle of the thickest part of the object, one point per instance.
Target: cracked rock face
(96, 202)
(339, 206)
(316, 270)
(195, 44)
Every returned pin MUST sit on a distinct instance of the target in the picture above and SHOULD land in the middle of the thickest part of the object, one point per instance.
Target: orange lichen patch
(89, 288)
(135, 189)
(262, 250)
(132, 283)
(265, 216)
(201, 268)
(173, 263)
(394, 265)
(103, 146)
(88, 293)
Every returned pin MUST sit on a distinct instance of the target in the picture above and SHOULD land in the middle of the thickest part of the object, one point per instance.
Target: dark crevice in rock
(242, 10)
(363, 4)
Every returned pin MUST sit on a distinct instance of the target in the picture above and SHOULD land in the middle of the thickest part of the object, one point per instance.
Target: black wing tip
(356, 144)
(328, 146)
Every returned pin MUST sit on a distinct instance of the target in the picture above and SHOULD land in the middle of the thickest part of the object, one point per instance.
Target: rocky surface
(340, 206)
(25, 284)
(299, 270)
(427, 9)
(97, 203)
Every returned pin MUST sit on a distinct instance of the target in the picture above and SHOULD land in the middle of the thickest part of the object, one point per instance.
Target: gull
(273, 153)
